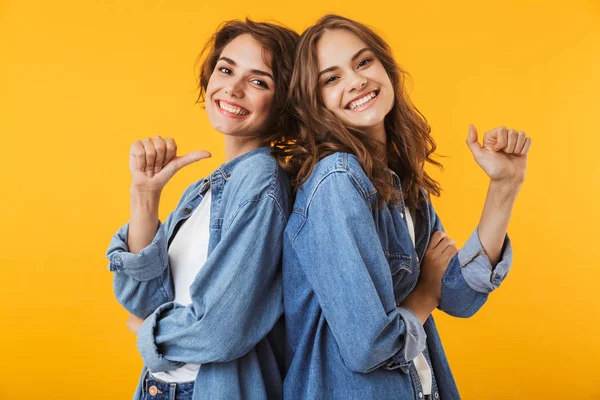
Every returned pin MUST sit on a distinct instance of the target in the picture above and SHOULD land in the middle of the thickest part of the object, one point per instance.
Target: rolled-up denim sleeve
(143, 266)
(236, 297)
(470, 277)
(142, 281)
(341, 254)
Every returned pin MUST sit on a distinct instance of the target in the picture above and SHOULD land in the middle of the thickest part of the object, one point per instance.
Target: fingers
(137, 150)
(150, 156)
(155, 154)
(160, 147)
(447, 246)
(526, 146)
(512, 141)
(501, 135)
(441, 244)
(521, 138)
(171, 150)
(436, 239)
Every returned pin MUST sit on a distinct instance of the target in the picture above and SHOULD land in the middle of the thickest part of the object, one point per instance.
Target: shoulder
(338, 175)
(257, 176)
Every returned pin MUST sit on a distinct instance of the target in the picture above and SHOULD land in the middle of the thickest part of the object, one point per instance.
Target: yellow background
(81, 80)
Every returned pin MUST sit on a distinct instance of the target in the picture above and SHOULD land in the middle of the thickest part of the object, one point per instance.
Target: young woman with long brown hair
(366, 260)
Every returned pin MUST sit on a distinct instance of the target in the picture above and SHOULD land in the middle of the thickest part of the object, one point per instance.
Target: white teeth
(232, 109)
(362, 101)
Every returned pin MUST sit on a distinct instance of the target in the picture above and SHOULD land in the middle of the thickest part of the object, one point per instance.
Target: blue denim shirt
(233, 327)
(347, 267)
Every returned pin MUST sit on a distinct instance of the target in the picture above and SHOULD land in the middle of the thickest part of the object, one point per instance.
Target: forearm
(143, 222)
(421, 303)
(495, 217)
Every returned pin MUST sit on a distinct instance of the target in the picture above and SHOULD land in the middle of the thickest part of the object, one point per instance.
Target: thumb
(179, 162)
(472, 142)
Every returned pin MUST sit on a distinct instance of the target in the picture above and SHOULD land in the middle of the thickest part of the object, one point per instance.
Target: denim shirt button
(187, 210)
(420, 395)
(436, 395)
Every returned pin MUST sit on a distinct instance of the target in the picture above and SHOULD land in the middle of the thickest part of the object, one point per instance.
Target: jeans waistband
(156, 389)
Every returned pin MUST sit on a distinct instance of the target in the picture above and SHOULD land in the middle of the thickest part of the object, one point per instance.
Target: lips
(362, 100)
(232, 109)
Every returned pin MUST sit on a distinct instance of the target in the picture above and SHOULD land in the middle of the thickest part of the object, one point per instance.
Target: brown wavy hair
(320, 133)
(275, 39)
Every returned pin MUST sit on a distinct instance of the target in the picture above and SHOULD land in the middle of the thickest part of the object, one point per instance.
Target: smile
(363, 102)
(230, 109)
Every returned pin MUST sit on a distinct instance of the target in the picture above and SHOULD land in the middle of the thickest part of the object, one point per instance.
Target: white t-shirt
(420, 361)
(187, 255)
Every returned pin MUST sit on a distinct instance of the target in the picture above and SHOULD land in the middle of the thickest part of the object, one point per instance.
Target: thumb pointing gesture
(179, 162)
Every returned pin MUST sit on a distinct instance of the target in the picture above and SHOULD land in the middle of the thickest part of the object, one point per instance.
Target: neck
(237, 146)
(378, 132)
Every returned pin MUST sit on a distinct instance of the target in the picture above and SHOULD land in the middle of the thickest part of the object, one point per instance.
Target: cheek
(262, 104)
(216, 82)
(268, 102)
(331, 99)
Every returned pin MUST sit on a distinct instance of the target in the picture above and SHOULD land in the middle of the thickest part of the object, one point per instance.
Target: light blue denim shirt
(233, 327)
(347, 267)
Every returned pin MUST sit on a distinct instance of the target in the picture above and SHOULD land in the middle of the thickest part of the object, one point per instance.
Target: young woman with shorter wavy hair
(204, 288)
(365, 258)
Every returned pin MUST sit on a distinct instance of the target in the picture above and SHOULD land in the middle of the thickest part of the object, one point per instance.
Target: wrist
(421, 303)
(503, 191)
(507, 184)
(144, 201)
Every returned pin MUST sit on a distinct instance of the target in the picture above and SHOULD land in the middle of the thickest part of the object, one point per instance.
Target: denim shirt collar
(225, 170)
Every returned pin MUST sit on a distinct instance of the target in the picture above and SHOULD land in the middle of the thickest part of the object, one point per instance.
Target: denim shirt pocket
(402, 272)
(399, 265)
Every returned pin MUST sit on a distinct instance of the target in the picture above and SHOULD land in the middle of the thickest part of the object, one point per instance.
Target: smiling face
(353, 83)
(241, 89)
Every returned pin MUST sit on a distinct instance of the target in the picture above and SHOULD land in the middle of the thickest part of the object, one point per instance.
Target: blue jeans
(155, 389)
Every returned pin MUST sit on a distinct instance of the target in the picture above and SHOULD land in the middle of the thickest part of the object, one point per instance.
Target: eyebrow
(354, 57)
(254, 71)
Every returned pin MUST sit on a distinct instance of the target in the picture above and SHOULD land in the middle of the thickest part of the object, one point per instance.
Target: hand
(134, 323)
(503, 155)
(439, 252)
(152, 162)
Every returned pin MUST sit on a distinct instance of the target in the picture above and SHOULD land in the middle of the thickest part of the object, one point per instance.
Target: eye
(364, 62)
(260, 83)
(332, 78)
(225, 70)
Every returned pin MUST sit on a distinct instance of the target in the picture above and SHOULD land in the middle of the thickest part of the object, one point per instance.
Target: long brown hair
(280, 42)
(321, 133)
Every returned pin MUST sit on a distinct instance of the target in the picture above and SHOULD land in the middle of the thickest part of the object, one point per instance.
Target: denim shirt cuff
(143, 266)
(146, 343)
(476, 266)
(414, 343)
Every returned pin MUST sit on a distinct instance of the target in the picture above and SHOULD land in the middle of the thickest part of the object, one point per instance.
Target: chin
(366, 123)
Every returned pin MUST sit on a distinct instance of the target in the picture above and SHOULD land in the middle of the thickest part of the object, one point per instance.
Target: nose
(235, 88)
(357, 82)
